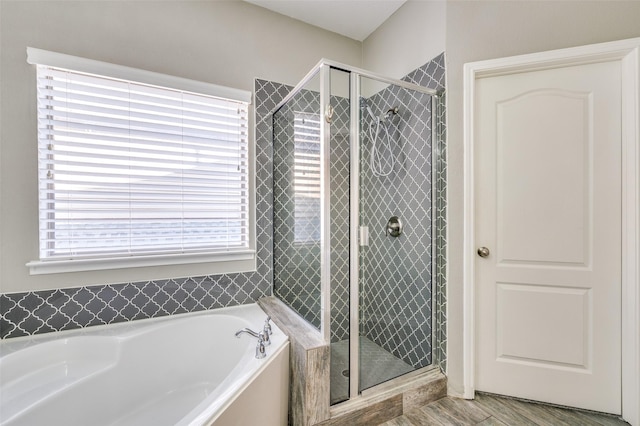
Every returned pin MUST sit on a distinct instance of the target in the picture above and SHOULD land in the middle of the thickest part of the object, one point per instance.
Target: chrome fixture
(390, 112)
(267, 328)
(394, 226)
(382, 124)
(261, 335)
(262, 341)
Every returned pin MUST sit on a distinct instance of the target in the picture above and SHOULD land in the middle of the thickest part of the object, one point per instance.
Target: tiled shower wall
(395, 272)
(396, 284)
(432, 75)
(53, 310)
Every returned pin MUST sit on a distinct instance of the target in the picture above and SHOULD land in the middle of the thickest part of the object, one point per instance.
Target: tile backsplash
(64, 309)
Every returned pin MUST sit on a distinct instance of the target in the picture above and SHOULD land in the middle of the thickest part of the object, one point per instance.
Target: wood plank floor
(489, 410)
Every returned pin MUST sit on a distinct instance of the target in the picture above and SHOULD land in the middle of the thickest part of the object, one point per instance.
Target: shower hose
(381, 144)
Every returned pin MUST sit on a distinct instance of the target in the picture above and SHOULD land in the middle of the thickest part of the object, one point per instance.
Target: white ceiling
(355, 19)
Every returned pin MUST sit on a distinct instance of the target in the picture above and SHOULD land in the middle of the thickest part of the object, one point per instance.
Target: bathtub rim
(207, 410)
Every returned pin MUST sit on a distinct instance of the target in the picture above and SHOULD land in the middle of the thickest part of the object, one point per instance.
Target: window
(129, 169)
(306, 135)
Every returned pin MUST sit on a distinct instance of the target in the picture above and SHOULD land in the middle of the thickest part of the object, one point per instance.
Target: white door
(548, 209)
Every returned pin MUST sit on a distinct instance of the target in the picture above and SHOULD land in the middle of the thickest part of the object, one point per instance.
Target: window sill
(39, 267)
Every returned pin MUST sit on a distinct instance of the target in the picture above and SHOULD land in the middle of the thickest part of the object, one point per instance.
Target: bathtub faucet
(267, 327)
(265, 335)
(262, 341)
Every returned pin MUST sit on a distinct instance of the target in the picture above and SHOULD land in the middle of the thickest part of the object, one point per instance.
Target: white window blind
(306, 131)
(130, 169)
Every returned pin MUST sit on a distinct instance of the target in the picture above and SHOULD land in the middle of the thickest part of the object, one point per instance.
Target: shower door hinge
(328, 113)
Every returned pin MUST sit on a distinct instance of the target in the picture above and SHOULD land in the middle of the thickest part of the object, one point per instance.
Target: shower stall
(355, 160)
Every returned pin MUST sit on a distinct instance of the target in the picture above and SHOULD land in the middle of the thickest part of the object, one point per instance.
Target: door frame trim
(627, 52)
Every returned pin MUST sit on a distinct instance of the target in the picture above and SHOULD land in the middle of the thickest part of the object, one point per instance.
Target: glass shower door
(296, 203)
(395, 214)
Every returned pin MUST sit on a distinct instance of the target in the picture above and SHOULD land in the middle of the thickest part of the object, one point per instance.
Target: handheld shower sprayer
(381, 124)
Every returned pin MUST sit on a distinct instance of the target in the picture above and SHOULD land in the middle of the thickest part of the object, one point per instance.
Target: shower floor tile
(377, 366)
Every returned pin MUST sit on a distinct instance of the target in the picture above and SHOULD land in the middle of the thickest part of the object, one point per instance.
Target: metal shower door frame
(354, 208)
(323, 68)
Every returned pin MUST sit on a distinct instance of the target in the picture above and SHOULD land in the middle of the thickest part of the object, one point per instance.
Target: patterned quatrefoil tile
(395, 301)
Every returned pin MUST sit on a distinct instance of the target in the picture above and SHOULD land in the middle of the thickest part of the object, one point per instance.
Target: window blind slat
(61, 105)
(113, 88)
(131, 169)
(63, 100)
(109, 125)
(306, 177)
(113, 162)
(54, 127)
(117, 142)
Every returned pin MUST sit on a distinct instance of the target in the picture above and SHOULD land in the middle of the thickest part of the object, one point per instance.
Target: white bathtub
(184, 370)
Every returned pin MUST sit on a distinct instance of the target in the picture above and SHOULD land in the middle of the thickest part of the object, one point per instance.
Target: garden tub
(187, 369)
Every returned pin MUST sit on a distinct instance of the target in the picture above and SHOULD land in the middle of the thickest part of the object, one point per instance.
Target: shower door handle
(483, 252)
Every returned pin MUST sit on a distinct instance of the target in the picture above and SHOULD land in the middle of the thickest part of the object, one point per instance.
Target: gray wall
(226, 43)
(414, 34)
(221, 42)
(478, 30)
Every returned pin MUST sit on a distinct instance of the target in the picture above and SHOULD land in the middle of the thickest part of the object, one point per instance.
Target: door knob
(483, 252)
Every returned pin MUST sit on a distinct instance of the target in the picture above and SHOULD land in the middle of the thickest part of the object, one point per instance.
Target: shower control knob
(483, 252)
(394, 226)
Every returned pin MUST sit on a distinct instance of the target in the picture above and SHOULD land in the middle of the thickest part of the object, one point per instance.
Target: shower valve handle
(394, 226)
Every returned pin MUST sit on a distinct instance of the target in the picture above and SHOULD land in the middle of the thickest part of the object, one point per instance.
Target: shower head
(371, 114)
(365, 107)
